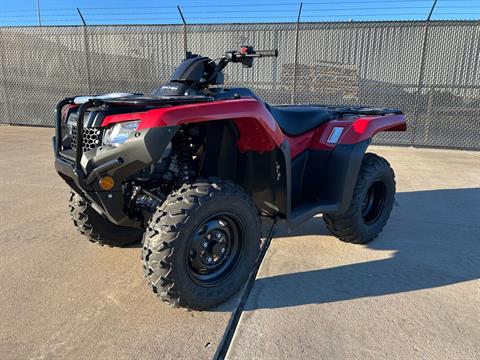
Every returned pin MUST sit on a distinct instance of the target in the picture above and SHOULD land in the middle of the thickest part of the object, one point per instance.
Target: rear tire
(371, 204)
(201, 244)
(98, 229)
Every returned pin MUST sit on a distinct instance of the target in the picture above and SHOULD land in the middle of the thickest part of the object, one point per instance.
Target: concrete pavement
(412, 293)
(62, 297)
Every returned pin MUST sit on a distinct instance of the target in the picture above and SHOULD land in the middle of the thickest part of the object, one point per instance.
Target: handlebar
(245, 55)
(265, 53)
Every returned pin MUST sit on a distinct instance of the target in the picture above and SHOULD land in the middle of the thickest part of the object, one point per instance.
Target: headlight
(120, 132)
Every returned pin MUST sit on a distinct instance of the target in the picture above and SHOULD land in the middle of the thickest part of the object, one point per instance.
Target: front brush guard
(81, 169)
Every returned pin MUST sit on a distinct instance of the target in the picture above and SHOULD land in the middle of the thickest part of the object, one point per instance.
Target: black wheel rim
(216, 249)
(374, 202)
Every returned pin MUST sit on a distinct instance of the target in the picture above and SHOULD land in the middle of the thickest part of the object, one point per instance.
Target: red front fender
(258, 129)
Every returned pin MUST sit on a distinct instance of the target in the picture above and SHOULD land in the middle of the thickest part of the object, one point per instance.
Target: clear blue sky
(23, 12)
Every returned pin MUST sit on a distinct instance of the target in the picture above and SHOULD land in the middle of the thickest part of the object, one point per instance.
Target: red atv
(195, 169)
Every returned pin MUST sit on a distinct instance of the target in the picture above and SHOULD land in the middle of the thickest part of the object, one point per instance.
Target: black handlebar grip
(267, 53)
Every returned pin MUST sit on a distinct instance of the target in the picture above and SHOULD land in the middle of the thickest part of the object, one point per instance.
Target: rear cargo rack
(362, 110)
(351, 110)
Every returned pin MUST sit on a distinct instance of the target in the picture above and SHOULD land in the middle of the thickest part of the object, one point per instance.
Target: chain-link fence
(431, 70)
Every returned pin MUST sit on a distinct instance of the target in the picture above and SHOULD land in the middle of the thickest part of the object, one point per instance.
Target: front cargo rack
(156, 100)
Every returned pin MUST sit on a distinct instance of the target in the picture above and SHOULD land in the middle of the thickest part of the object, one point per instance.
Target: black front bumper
(81, 170)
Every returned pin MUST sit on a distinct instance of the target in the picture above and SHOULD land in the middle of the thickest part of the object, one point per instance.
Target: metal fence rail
(431, 70)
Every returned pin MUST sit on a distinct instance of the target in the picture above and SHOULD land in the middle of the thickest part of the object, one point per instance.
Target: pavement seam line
(224, 346)
(35, 185)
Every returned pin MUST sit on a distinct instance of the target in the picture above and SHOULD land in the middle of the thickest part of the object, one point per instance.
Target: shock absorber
(182, 149)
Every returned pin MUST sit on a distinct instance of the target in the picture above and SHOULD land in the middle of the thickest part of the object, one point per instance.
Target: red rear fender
(356, 130)
(366, 127)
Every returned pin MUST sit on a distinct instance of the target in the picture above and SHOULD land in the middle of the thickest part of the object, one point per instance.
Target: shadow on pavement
(436, 238)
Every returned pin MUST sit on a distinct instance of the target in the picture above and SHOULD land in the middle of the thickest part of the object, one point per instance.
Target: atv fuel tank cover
(191, 69)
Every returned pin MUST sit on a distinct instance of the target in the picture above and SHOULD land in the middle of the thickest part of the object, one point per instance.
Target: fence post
(421, 74)
(39, 17)
(297, 34)
(87, 52)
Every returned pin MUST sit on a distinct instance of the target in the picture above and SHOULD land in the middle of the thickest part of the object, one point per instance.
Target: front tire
(201, 244)
(98, 229)
(371, 204)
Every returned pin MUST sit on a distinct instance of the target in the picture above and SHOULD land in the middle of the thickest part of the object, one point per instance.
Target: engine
(146, 190)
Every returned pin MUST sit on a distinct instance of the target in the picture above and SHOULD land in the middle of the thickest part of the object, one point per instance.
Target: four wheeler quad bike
(195, 169)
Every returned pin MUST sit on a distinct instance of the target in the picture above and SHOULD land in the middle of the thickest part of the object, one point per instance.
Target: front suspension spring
(181, 146)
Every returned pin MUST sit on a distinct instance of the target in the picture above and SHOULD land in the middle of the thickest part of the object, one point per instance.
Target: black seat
(296, 120)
